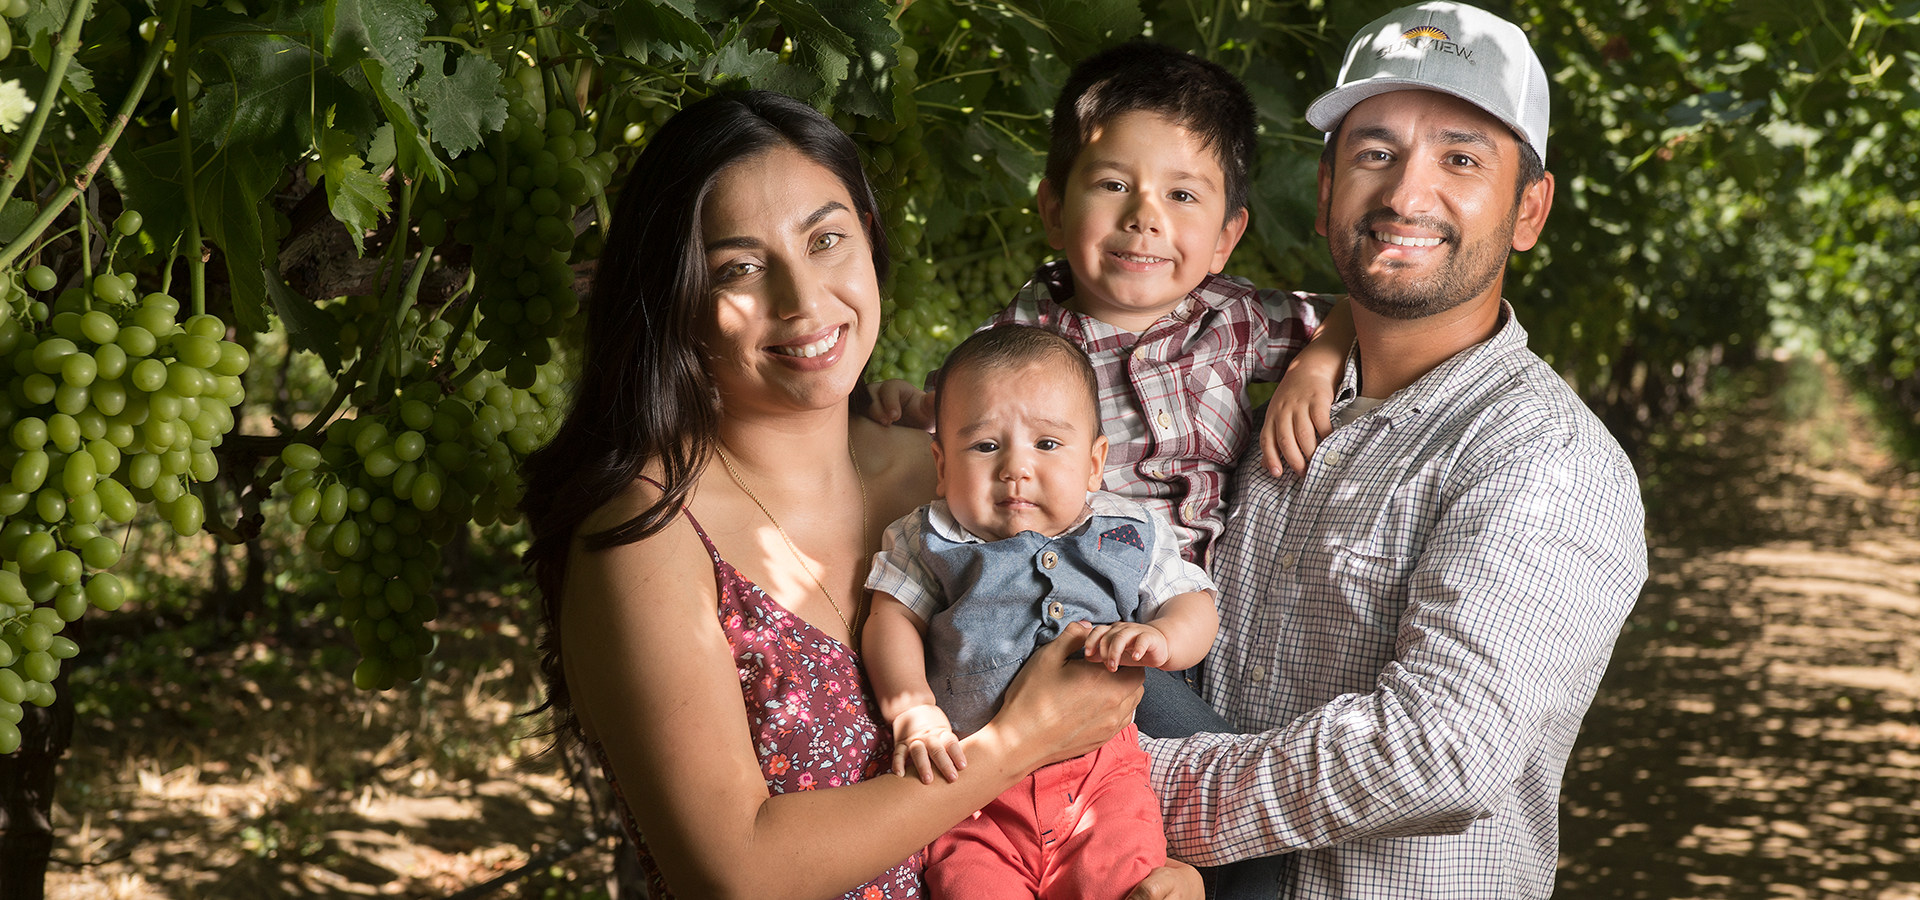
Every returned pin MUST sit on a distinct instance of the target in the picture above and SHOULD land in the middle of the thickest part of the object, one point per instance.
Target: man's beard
(1466, 272)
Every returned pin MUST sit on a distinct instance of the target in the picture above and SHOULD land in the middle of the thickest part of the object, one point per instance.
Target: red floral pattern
(808, 706)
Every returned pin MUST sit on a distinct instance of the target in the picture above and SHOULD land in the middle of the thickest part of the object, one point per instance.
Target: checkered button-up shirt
(1173, 399)
(1420, 624)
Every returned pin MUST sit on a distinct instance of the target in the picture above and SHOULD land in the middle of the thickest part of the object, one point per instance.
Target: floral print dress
(808, 707)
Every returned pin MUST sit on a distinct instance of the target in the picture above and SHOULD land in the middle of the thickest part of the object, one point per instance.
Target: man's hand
(925, 735)
(896, 402)
(1127, 644)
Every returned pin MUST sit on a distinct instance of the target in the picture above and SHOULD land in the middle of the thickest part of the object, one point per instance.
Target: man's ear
(1322, 212)
(1531, 218)
(1230, 234)
(1051, 214)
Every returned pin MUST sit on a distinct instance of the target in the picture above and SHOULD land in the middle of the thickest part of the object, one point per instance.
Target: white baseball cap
(1448, 47)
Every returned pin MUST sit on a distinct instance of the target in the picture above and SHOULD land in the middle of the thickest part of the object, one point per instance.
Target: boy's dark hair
(1141, 76)
(1007, 346)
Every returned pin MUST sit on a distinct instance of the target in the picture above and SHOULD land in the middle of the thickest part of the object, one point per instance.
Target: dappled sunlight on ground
(1757, 734)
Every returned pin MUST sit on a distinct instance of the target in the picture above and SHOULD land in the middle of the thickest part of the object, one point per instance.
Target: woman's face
(797, 305)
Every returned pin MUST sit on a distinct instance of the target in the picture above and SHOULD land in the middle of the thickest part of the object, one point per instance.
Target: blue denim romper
(1010, 596)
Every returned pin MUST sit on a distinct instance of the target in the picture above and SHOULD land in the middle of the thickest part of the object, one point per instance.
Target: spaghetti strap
(711, 549)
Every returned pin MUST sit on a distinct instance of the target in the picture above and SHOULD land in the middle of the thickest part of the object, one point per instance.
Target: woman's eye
(827, 241)
(1046, 444)
(732, 271)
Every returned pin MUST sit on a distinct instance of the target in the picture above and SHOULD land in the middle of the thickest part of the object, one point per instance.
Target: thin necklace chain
(858, 478)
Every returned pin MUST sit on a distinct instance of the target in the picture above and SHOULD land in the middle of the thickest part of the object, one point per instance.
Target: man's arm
(1516, 598)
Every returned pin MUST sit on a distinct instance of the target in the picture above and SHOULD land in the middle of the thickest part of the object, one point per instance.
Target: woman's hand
(1061, 706)
(1174, 881)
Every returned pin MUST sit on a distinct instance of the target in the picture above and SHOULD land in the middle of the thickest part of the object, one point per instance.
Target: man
(1421, 620)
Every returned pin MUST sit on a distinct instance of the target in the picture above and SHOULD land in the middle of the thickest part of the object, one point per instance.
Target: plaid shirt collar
(1455, 374)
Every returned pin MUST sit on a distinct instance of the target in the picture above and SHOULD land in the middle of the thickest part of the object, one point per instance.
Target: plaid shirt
(1173, 399)
(1420, 623)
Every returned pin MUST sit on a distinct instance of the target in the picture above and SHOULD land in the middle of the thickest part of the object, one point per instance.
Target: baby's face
(1018, 448)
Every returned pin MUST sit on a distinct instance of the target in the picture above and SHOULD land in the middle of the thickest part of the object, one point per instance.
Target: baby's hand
(897, 402)
(924, 734)
(1127, 644)
(1298, 416)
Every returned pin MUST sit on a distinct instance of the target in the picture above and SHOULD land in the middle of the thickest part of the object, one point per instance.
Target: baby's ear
(1096, 478)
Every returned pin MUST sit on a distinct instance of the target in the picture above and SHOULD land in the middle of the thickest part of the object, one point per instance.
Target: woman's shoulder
(897, 464)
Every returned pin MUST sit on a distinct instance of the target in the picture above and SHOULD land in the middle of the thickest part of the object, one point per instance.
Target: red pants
(1085, 828)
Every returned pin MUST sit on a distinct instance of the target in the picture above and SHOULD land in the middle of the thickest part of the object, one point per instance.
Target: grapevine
(111, 403)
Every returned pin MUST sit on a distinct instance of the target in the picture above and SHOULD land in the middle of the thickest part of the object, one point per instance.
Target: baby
(1021, 543)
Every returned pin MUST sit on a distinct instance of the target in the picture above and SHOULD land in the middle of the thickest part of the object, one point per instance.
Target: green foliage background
(1734, 178)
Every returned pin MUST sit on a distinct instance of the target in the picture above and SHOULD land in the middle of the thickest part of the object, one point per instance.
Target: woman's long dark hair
(643, 394)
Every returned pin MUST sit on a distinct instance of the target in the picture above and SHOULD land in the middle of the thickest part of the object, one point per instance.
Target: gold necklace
(852, 636)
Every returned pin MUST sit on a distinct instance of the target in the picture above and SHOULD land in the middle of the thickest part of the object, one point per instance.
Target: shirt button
(1140, 351)
(1330, 457)
(1287, 561)
(1055, 610)
(1189, 511)
(1048, 560)
(1153, 473)
(1166, 421)
(1257, 673)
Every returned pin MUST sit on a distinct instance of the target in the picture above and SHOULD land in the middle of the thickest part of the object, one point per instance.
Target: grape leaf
(848, 45)
(661, 31)
(1080, 28)
(263, 88)
(461, 107)
(40, 28)
(78, 87)
(355, 195)
(412, 152)
(390, 31)
(15, 218)
(307, 327)
(229, 206)
(760, 68)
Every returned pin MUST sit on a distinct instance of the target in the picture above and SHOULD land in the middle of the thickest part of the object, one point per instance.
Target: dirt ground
(1756, 738)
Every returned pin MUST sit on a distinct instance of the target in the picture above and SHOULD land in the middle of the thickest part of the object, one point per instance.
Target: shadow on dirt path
(1757, 736)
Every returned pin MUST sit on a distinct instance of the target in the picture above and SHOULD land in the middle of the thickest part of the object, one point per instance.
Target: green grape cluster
(384, 491)
(111, 405)
(515, 204)
(937, 303)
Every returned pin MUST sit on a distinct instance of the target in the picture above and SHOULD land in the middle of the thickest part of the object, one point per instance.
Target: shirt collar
(1462, 368)
(1099, 503)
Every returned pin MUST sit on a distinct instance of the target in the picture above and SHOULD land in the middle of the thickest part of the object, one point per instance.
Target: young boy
(1146, 192)
(966, 587)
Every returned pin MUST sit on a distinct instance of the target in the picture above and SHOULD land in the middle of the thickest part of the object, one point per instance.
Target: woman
(710, 450)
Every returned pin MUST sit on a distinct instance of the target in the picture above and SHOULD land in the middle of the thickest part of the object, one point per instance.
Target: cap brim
(1327, 110)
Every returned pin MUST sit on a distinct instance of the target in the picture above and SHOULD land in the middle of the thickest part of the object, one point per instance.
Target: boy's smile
(1142, 218)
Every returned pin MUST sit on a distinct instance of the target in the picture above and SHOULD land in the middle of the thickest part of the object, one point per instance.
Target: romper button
(1049, 559)
(1055, 610)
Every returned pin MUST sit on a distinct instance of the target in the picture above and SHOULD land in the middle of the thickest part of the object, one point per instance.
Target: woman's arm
(654, 681)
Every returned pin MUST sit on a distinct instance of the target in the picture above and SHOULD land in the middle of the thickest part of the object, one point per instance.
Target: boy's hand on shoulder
(924, 735)
(897, 402)
(1128, 644)
(1298, 416)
